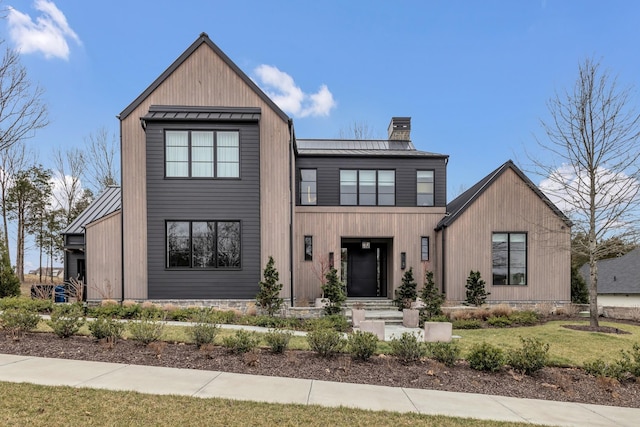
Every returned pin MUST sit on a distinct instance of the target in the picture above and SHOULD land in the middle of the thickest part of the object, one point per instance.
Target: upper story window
(203, 244)
(308, 187)
(509, 252)
(202, 154)
(368, 187)
(424, 180)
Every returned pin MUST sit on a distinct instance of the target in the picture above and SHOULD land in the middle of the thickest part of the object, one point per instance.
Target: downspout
(291, 202)
(121, 222)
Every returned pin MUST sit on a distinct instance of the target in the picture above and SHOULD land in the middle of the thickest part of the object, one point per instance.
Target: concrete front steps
(376, 309)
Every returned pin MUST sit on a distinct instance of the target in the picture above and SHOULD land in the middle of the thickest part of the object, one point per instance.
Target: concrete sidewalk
(206, 384)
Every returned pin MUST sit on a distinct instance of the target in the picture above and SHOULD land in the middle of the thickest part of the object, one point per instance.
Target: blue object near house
(60, 295)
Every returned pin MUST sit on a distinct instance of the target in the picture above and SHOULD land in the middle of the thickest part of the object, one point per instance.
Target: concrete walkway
(206, 384)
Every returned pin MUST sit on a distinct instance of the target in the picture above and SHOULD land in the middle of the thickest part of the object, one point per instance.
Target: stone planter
(410, 318)
(437, 331)
(376, 327)
(357, 316)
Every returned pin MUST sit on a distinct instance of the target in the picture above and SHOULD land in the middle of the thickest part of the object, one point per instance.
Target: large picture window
(202, 154)
(424, 181)
(308, 187)
(203, 244)
(368, 187)
(509, 258)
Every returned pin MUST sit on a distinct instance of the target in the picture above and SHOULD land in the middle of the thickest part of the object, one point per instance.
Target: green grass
(34, 405)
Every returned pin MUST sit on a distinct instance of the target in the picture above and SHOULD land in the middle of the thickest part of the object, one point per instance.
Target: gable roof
(460, 204)
(203, 39)
(107, 202)
(360, 147)
(617, 275)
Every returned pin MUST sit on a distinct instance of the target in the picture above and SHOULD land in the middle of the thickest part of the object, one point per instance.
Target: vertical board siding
(328, 225)
(204, 200)
(205, 80)
(103, 259)
(510, 206)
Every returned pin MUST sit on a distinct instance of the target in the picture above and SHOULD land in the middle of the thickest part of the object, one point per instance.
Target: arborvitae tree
(431, 297)
(334, 292)
(476, 293)
(9, 283)
(268, 297)
(579, 289)
(407, 292)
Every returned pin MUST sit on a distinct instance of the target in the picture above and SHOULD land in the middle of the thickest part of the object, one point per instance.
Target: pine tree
(579, 289)
(9, 283)
(431, 297)
(268, 297)
(334, 292)
(407, 292)
(476, 293)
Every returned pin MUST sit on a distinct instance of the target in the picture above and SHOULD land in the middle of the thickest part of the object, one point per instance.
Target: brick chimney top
(400, 129)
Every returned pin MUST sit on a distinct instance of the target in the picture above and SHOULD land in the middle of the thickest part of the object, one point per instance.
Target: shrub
(183, 314)
(336, 322)
(241, 341)
(440, 318)
(270, 322)
(579, 288)
(17, 321)
(66, 319)
(225, 317)
(362, 345)
(444, 352)
(408, 348)
(325, 341)
(627, 365)
(204, 330)
(106, 328)
(486, 357)
(501, 310)
(268, 297)
(278, 340)
(432, 299)
(531, 357)
(147, 328)
(499, 322)
(9, 282)
(334, 292)
(34, 305)
(525, 318)
(406, 293)
(476, 292)
(467, 324)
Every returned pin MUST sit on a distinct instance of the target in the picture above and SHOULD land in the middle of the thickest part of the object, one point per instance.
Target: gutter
(291, 202)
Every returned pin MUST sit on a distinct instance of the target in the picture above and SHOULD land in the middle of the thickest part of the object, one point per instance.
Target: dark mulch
(560, 384)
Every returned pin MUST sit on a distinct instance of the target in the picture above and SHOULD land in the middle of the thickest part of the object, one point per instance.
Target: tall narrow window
(386, 188)
(308, 248)
(308, 187)
(202, 154)
(509, 251)
(177, 153)
(228, 155)
(424, 188)
(424, 249)
(348, 187)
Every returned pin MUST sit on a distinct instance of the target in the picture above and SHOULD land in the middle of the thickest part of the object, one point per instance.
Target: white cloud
(283, 90)
(47, 34)
(61, 188)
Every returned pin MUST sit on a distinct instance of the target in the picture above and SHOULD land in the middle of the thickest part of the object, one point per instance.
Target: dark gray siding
(328, 176)
(204, 199)
(71, 263)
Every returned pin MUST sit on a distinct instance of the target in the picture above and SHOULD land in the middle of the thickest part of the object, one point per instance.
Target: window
(308, 248)
(203, 244)
(509, 258)
(202, 154)
(368, 187)
(424, 180)
(308, 192)
(424, 249)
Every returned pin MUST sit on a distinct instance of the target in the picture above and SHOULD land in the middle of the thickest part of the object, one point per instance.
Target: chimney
(400, 129)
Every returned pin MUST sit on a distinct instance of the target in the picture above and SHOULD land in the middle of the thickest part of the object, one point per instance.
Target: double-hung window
(308, 187)
(203, 244)
(509, 251)
(367, 187)
(424, 181)
(202, 154)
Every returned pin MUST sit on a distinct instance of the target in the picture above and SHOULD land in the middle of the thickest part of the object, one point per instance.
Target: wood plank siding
(509, 205)
(104, 262)
(404, 226)
(205, 79)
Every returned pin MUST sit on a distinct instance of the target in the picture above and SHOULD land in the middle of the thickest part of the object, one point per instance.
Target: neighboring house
(618, 280)
(214, 182)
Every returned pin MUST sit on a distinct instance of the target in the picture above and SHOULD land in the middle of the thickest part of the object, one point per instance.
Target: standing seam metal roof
(108, 202)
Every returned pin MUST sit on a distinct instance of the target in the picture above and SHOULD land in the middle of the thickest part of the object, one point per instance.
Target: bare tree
(593, 135)
(12, 160)
(102, 160)
(69, 166)
(357, 130)
(22, 111)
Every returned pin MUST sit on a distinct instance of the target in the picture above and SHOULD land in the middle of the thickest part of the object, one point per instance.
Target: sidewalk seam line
(584, 407)
(410, 400)
(207, 384)
(120, 367)
(496, 400)
(309, 393)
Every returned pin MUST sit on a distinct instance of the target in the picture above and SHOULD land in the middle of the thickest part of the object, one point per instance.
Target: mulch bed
(560, 384)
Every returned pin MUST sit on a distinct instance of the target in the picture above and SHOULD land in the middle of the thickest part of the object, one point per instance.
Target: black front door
(364, 269)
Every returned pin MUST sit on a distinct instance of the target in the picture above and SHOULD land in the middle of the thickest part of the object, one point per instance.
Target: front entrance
(364, 267)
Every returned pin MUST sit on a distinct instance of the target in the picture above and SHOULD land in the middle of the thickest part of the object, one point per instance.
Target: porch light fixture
(403, 260)
(366, 244)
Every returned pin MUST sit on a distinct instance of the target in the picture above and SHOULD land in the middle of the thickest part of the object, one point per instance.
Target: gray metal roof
(108, 202)
(617, 275)
(163, 113)
(359, 147)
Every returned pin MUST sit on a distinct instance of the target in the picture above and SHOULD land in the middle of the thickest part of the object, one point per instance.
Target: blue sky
(474, 76)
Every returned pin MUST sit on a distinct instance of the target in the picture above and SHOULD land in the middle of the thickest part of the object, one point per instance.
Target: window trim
(308, 243)
(433, 194)
(189, 131)
(422, 239)
(300, 187)
(358, 183)
(215, 245)
(508, 262)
